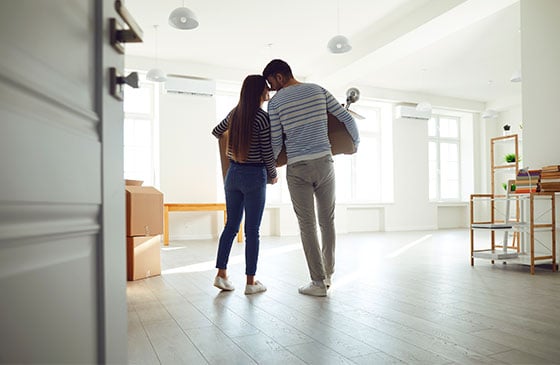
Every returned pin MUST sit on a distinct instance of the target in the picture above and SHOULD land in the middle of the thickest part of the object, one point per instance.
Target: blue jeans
(245, 188)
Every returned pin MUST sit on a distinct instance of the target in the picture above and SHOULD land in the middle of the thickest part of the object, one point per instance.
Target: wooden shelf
(531, 218)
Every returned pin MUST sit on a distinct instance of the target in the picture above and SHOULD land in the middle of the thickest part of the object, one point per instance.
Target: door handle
(120, 35)
(118, 81)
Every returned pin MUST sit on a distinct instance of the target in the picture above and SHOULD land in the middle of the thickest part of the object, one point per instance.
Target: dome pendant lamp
(516, 76)
(424, 106)
(339, 43)
(156, 74)
(489, 114)
(183, 18)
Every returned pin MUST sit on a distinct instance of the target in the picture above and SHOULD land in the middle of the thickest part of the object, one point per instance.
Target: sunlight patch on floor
(407, 247)
(236, 259)
(349, 278)
(172, 248)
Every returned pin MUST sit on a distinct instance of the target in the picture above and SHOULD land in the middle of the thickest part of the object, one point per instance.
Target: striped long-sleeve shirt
(260, 150)
(298, 118)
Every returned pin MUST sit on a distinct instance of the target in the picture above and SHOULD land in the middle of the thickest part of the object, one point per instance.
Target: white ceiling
(464, 49)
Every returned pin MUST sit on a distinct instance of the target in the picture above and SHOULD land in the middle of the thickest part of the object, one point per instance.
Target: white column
(540, 59)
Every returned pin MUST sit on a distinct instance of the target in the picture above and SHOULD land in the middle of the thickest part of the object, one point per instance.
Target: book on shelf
(550, 175)
(551, 168)
(550, 178)
(527, 181)
(550, 186)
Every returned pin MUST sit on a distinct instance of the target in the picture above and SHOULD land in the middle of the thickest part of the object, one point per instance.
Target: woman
(251, 165)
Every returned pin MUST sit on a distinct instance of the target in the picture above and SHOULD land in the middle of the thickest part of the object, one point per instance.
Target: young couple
(297, 117)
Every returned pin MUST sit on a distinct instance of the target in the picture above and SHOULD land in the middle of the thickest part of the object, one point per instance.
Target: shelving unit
(502, 171)
(523, 219)
(537, 219)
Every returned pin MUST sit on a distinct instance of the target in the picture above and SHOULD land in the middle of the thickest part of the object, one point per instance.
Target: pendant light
(156, 74)
(516, 76)
(183, 18)
(424, 106)
(489, 114)
(339, 43)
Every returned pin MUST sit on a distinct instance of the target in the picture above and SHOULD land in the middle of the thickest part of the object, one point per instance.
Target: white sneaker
(313, 290)
(328, 282)
(258, 287)
(223, 284)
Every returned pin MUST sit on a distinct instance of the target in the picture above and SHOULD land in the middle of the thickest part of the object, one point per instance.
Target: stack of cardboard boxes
(144, 225)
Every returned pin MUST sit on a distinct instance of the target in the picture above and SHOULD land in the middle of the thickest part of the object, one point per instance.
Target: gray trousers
(309, 182)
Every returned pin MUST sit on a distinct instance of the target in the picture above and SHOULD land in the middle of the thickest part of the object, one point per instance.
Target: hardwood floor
(407, 297)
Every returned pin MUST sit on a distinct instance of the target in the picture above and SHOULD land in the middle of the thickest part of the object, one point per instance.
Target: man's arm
(334, 107)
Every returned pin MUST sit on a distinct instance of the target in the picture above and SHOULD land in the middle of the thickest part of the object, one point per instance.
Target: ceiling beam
(401, 35)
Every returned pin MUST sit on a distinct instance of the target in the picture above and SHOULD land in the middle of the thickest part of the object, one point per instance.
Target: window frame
(151, 176)
(438, 140)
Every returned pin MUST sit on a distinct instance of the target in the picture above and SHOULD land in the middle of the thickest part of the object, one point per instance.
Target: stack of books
(550, 178)
(527, 181)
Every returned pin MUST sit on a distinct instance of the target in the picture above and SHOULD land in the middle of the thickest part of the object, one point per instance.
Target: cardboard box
(341, 143)
(143, 257)
(144, 211)
(133, 182)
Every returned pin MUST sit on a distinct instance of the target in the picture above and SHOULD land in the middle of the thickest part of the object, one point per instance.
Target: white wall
(411, 209)
(187, 162)
(540, 57)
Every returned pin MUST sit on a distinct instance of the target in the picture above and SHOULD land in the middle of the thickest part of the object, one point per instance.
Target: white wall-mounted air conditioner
(177, 84)
(410, 112)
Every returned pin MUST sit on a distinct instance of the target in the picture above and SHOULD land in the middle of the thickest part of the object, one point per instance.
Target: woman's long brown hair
(243, 115)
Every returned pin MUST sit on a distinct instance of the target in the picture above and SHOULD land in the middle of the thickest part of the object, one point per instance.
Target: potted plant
(506, 128)
(504, 185)
(510, 158)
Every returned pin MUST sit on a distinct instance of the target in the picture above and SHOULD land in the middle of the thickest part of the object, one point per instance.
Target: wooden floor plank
(217, 348)
(264, 350)
(140, 350)
(171, 344)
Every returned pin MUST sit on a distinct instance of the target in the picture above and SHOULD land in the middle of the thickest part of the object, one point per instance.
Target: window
(140, 134)
(444, 146)
(366, 177)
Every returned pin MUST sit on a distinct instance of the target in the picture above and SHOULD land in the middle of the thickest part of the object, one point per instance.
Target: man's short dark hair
(277, 67)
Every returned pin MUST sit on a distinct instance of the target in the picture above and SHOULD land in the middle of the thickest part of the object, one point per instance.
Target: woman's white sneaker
(223, 284)
(258, 287)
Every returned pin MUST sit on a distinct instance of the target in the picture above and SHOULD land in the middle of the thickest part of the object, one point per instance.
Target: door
(62, 240)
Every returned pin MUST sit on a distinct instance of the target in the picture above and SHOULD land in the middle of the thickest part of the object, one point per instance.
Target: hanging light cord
(156, 43)
(338, 17)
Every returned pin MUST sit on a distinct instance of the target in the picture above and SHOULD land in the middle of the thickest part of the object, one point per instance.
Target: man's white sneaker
(328, 282)
(258, 287)
(313, 289)
(223, 284)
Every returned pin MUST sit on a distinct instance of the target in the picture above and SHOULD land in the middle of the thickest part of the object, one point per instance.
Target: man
(298, 119)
